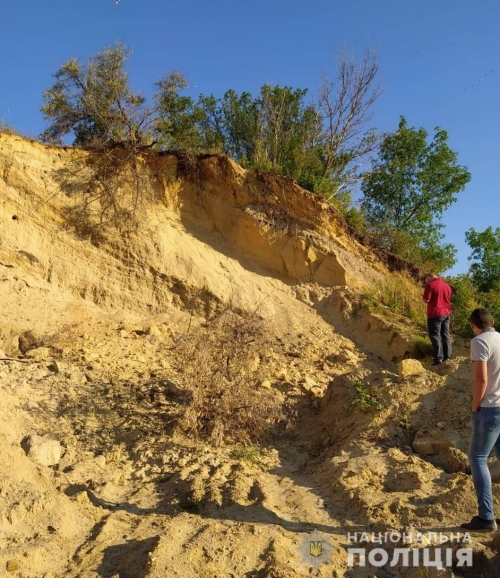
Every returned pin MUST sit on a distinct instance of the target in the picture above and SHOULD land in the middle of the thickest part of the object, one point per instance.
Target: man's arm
(480, 383)
(426, 297)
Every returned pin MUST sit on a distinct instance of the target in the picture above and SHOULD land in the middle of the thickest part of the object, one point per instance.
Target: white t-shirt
(486, 347)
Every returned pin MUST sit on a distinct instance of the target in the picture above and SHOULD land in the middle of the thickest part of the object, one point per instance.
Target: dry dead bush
(109, 187)
(222, 365)
(68, 335)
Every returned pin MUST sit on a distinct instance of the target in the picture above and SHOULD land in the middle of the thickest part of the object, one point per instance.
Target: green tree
(491, 301)
(176, 117)
(289, 127)
(94, 103)
(411, 184)
(485, 269)
(274, 131)
(210, 122)
(240, 114)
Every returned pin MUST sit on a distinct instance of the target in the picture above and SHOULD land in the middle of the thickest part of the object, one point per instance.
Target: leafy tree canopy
(318, 143)
(412, 183)
(93, 102)
(485, 269)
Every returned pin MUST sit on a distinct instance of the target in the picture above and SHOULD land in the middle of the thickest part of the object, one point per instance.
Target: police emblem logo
(316, 549)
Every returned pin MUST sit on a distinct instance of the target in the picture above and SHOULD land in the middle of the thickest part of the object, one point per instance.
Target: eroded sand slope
(90, 331)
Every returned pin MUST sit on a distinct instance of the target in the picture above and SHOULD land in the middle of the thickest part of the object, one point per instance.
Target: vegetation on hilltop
(325, 144)
(480, 287)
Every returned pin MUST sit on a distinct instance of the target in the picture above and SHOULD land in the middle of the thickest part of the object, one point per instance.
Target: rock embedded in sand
(39, 353)
(430, 441)
(45, 451)
(12, 566)
(409, 367)
(153, 330)
(348, 356)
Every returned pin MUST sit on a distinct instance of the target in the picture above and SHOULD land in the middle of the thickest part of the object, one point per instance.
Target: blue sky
(439, 63)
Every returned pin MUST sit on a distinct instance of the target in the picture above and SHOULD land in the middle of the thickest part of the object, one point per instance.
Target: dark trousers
(439, 332)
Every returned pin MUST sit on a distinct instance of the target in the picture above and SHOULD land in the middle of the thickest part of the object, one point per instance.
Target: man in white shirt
(485, 417)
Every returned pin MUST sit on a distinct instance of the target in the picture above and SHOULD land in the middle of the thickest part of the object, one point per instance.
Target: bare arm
(480, 383)
(426, 297)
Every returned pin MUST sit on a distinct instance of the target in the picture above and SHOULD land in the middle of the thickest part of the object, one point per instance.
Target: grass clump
(398, 294)
(421, 347)
(251, 453)
(364, 399)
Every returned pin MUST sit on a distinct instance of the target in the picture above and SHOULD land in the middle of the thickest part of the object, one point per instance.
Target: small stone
(100, 461)
(17, 514)
(26, 341)
(254, 364)
(266, 384)
(54, 366)
(348, 356)
(432, 441)
(153, 330)
(124, 333)
(409, 367)
(12, 566)
(349, 345)
(424, 447)
(39, 353)
(283, 375)
(45, 451)
(311, 254)
(82, 498)
(316, 392)
(309, 383)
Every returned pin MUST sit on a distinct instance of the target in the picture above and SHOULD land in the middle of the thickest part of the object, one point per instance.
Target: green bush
(365, 400)
(251, 453)
(492, 303)
(421, 347)
(464, 300)
(398, 294)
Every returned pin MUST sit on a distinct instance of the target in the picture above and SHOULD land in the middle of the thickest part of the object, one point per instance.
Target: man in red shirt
(437, 295)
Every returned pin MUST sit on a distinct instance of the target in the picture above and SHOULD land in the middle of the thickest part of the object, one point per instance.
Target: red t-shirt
(439, 295)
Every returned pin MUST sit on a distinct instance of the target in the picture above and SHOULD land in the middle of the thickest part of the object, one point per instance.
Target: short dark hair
(481, 318)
